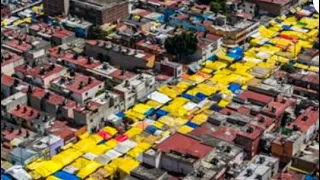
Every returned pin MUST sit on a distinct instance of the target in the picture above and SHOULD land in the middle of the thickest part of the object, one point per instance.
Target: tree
(288, 68)
(218, 6)
(96, 33)
(181, 46)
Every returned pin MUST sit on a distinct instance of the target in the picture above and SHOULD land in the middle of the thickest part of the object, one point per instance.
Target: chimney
(31, 113)
(262, 119)
(81, 85)
(305, 118)
(18, 107)
(27, 134)
(30, 89)
(250, 130)
(90, 80)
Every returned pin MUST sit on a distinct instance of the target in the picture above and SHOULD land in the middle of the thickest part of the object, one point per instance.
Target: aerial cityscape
(159, 90)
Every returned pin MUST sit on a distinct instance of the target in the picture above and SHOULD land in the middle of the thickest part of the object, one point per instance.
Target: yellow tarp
(154, 104)
(185, 129)
(217, 65)
(53, 178)
(68, 156)
(100, 149)
(80, 163)
(200, 119)
(141, 108)
(127, 166)
(112, 143)
(110, 130)
(134, 115)
(90, 168)
(85, 145)
(133, 132)
(48, 168)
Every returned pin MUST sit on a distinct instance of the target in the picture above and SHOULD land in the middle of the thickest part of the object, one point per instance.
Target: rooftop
(184, 145)
(118, 48)
(47, 30)
(255, 97)
(8, 57)
(40, 72)
(80, 61)
(7, 80)
(308, 118)
(25, 112)
(77, 83)
(100, 4)
(278, 107)
(226, 134)
(250, 132)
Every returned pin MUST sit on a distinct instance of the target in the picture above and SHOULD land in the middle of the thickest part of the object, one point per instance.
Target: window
(87, 94)
(91, 121)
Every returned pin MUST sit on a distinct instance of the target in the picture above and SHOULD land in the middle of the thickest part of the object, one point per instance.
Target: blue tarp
(66, 176)
(201, 96)
(309, 177)
(149, 112)
(213, 58)
(161, 113)
(192, 125)
(120, 115)
(5, 177)
(151, 129)
(216, 97)
(278, 20)
(215, 108)
(187, 96)
(102, 142)
(286, 27)
(234, 87)
(236, 53)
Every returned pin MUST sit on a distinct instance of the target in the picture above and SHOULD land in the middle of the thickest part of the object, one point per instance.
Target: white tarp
(124, 147)
(159, 97)
(191, 106)
(103, 159)
(18, 173)
(263, 55)
(90, 156)
(112, 154)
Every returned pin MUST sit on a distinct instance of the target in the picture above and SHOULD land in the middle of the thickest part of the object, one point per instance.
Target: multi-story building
(56, 35)
(30, 118)
(9, 61)
(124, 57)
(78, 87)
(94, 113)
(274, 7)
(135, 89)
(100, 12)
(50, 102)
(54, 8)
(40, 75)
(33, 49)
(11, 102)
(262, 167)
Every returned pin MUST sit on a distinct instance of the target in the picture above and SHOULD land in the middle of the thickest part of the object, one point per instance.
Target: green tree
(182, 46)
(288, 68)
(218, 6)
(96, 33)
